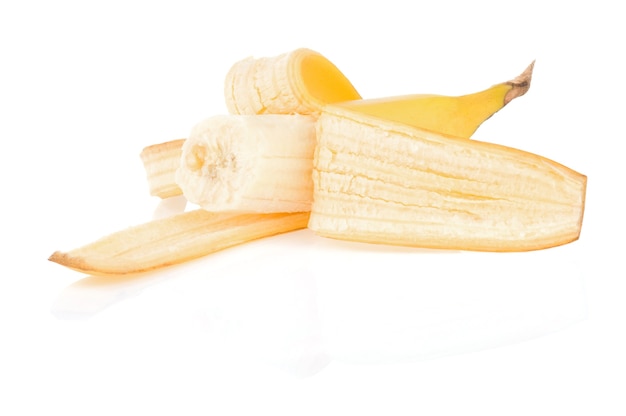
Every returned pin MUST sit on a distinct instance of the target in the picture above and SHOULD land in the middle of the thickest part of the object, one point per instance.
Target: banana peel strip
(173, 240)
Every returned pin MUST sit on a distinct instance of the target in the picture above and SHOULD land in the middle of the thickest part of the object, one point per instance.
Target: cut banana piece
(381, 181)
(298, 82)
(246, 163)
(455, 116)
(174, 240)
(160, 162)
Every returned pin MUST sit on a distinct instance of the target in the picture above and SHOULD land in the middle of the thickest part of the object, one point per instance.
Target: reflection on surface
(267, 310)
(263, 307)
(389, 306)
(297, 301)
(94, 294)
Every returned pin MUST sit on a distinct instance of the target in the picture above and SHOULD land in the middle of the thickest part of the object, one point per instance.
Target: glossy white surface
(298, 324)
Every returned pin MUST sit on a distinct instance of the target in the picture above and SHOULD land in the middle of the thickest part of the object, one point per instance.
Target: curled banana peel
(299, 82)
(392, 170)
(174, 240)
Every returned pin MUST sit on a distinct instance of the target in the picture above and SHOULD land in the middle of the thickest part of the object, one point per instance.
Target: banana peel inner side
(380, 181)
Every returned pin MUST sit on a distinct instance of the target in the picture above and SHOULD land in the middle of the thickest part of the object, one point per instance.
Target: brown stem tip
(520, 84)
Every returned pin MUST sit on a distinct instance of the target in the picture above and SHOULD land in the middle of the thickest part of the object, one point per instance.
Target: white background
(296, 324)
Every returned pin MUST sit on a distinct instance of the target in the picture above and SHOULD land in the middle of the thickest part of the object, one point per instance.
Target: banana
(381, 181)
(455, 116)
(298, 82)
(458, 116)
(174, 240)
(301, 148)
(249, 163)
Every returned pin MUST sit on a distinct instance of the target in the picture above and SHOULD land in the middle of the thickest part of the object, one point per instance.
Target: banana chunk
(249, 163)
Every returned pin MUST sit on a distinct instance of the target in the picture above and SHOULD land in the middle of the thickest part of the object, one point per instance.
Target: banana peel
(380, 181)
(173, 240)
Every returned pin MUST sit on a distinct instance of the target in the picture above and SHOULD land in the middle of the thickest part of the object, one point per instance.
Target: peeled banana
(299, 82)
(381, 181)
(246, 163)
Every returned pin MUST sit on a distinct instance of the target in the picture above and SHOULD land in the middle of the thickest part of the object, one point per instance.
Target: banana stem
(520, 84)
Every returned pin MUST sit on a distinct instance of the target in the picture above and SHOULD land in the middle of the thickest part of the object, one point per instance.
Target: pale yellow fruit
(249, 163)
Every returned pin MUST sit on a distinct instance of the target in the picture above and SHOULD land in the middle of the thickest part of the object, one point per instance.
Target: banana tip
(56, 257)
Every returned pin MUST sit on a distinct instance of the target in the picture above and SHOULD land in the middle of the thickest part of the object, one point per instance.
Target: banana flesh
(380, 181)
(249, 163)
(174, 240)
(299, 82)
